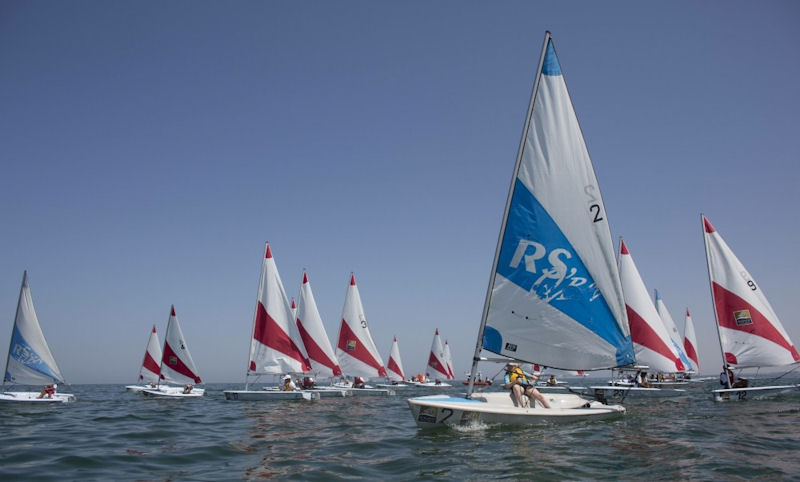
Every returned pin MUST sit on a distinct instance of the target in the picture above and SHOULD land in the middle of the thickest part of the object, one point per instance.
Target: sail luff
(16, 316)
(711, 289)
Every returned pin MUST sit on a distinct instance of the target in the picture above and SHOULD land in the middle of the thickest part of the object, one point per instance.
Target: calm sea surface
(110, 434)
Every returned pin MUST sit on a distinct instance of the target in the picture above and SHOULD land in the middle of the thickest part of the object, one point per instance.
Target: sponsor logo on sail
(511, 347)
(173, 360)
(351, 345)
(742, 317)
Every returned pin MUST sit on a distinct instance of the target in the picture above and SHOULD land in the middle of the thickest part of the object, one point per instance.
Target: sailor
(518, 381)
(48, 391)
(358, 382)
(288, 384)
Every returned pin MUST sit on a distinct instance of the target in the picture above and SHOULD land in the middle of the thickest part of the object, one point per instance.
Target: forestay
(650, 338)
(750, 333)
(355, 349)
(29, 361)
(554, 295)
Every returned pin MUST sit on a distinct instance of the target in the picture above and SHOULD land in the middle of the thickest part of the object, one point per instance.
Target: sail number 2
(594, 203)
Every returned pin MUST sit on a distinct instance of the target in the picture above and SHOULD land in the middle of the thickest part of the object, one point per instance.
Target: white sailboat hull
(163, 388)
(498, 407)
(270, 395)
(753, 393)
(611, 392)
(32, 397)
(432, 385)
(156, 392)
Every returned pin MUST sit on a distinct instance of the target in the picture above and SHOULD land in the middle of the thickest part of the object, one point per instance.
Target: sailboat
(554, 295)
(150, 371)
(29, 360)
(750, 333)
(356, 351)
(690, 343)
(654, 349)
(394, 368)
(448, 359)
(176, 366)
(437, 368)
(273, 349)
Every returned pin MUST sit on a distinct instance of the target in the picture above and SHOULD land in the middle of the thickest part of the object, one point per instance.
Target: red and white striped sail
(651, 341)
(448, 358)
(690, 342)
(394, 368)
(750, 332)
(273, 349)
(312, 332)
(177, 365)
(152, 358)
(356, 350)
(437, 363)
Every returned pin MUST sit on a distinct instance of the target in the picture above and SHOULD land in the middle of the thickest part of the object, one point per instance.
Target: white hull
(270, 395)
(178, 393)
(32, 397)
(669, 384)
(616, 393)
(163, 388)
(432, 385)
(498, 407)
(753, 393)
(392, 385)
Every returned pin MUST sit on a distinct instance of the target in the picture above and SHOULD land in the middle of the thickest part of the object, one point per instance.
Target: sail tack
(273, 350)
(149, 373)
(650, 338)
(177, 365)
(312, 331)
(29, 361)
(555, 296)
(355, 349)
(750, 332)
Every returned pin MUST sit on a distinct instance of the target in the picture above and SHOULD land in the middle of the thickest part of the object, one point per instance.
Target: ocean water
(110, 434)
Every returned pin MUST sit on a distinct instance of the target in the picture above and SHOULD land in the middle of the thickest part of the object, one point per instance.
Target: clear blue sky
(148, 149)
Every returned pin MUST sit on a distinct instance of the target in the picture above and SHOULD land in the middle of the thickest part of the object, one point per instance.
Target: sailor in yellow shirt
(521, 383)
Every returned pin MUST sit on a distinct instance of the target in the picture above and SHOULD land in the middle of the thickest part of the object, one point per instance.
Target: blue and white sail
(672, 331)
(555, 296)
(29, 359)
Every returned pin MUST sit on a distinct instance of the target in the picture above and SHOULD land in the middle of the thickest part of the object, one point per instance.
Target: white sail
(554, 297)
(750, 333)
(29, 361)
(312, 331)
(149, 373)
(672, 330)
(650, 338)
(177, 365)
(448, 359)
(437, 363)
(272, 348)
(355, 349)
(394, 367)
(690, 342)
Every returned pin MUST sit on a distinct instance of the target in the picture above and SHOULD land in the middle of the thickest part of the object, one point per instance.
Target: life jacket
(286, 385)
(517, 374)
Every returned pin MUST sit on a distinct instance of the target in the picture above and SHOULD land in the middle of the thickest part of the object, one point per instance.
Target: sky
(149, 149)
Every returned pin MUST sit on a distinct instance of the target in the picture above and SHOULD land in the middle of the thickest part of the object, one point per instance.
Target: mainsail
(448, 359)
(650, 338)
(672, 330)
(554, 296)
(177, 365)
(394, 368)
(690, 342)
(150, 370)
(29, 359)
(356, 350)
(750, 333)
(437, 363)
(315, 339)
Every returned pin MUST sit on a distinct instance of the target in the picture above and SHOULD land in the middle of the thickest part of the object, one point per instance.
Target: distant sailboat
(149, 373)
(554, 295)
(358, 356)
(448, 359)
(30, 361)
(690, 342)
(273, 351)
(437, 368)
(672, 330)
(394, 368)
(750, 333)
(177, 365)
(315, 339)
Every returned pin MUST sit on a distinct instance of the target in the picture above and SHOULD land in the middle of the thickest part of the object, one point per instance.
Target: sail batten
(555, 296)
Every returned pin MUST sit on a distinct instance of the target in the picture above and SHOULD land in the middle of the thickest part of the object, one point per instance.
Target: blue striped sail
(29, 359)
(556, 298)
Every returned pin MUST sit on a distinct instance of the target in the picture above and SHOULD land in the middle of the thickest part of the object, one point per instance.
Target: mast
(713, 303)
(484, 315)
(253, 329)
(16, 316)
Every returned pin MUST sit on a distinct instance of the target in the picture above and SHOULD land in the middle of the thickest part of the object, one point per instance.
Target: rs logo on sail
(556, 271)
(24, 355)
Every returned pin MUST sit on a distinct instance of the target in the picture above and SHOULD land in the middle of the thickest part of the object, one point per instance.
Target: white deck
(33, 397)
(498, 407)
(270, 395)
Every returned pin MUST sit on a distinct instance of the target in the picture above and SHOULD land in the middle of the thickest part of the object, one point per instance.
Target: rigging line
(786, 373)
